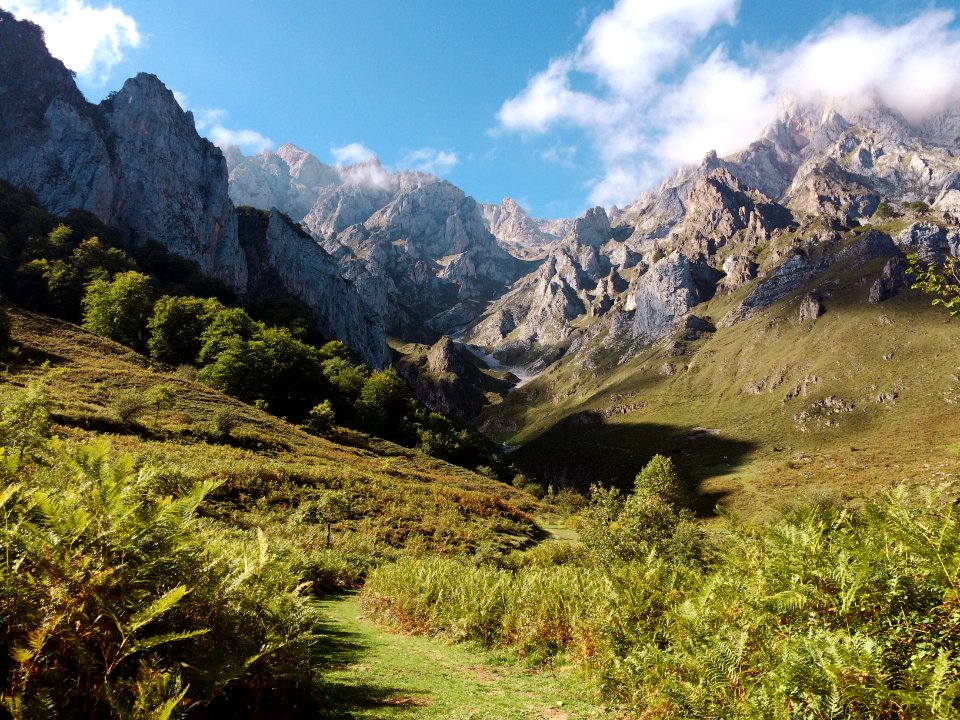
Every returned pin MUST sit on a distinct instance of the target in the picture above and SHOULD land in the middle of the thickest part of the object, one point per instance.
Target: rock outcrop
(929, 241)
(171, 184)
(893, 277)
(518, 233)
(719, 209)
(285, 260)
(811, 307)
(135, 160)
(666, 292)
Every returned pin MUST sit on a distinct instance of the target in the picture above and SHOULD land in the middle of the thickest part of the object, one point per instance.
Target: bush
(176, 327)
(884, 211)
(160, 397)
(321, 418)
(118, 309)
(224, 421)
(651, 519)
(116, 602)
(128, 406)
(659, 479)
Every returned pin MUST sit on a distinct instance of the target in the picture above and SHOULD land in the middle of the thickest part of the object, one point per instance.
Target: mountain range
(543, 330)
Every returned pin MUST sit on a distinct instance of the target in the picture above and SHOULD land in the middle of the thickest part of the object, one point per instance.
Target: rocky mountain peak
(305, 168)
(720, 208)
(104, 158)
(145, 122)
(519, 234)
(591, 229)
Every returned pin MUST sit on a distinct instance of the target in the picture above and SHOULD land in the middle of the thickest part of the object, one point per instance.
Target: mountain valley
(265, 419)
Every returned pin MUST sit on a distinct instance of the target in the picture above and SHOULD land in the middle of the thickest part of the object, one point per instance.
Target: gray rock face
(51, 138)
(134, 161)
(811, 307)
(892, 278)
(426, 259)
(738, 269)
(720, 209)
(326, 199)
(282, 258)
(828, 191)
(668, 291)
(518, 233)
(929, 241)
(786, 278)
(577, 278)
(171, 184)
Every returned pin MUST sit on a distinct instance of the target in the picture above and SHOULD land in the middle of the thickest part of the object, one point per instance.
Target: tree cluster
(158, 303)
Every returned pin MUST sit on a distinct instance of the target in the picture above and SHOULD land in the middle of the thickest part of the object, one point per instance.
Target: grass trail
(371, 673)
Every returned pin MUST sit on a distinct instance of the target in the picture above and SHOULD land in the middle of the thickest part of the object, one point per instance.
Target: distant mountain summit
(417, 245)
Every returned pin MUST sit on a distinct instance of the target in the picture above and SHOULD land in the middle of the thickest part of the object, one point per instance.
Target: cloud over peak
(87, 39)
(430, 160)
(653, 87)
(211, 124)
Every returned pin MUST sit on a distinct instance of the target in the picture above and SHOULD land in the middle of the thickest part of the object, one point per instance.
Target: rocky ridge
(771, 214)
(417, 246)
(519, 234)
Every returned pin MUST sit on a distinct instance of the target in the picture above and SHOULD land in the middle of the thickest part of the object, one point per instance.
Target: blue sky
(558, 103)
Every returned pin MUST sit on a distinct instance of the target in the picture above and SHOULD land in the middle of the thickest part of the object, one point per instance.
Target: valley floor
(375, 674)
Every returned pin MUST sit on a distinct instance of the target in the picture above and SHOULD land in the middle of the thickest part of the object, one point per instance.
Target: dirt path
(374, 674)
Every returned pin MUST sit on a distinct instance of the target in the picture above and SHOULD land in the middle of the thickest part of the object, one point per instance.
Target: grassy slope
(269, 469)
(724, 413)
(378, 675)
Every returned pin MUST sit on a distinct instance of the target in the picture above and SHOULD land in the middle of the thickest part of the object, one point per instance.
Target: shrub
(620, 528)
(117, 604)
(659, 479)
(224, 421)
(321, 418)
(187, 372)
(25, 420)
(884, 211)
(129, 405)
(176, 327)
(160, 397)
(118, 309)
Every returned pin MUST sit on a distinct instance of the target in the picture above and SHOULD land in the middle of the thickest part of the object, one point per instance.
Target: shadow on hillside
(339, 648)
(583, 449)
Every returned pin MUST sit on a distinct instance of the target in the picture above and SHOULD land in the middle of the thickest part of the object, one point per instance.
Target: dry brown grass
(268, 468)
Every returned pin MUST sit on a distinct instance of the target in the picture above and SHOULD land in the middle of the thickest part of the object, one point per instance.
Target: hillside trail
(371, 673)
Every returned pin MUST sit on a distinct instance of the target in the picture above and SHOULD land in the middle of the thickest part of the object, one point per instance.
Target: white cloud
(628, 46)
(360, 167)
(352, 153)
(369, 174)
(913, 68)
(430, 160)
(210, 124)
(652, 89)
(549, 98)
(247, 140)
(720, 106)
(89, 40)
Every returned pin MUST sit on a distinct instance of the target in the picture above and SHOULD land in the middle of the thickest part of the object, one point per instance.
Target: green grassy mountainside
(770, 409)
(270, 472)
